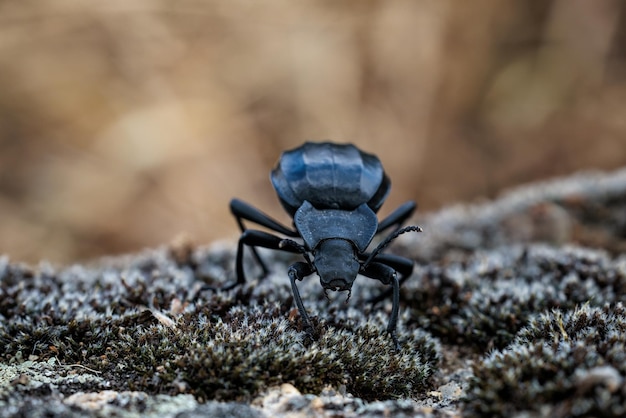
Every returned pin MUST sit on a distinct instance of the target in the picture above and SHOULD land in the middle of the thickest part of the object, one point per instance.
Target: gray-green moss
(562, 364)
(485, 299)
(144, 327)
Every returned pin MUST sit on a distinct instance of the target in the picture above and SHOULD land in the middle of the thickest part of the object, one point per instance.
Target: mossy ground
(527, 289)
(142, 324)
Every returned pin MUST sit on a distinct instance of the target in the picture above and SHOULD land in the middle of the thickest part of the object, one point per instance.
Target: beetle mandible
(332, 192)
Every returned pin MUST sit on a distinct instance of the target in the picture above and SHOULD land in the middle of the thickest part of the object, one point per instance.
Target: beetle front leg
(402, 265)
(388, 276)
(242, 210)
(298, 271)
(393, 321)
(255, 238)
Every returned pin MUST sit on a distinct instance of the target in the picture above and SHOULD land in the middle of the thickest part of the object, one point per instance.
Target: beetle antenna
(388, 240)
(291, 245)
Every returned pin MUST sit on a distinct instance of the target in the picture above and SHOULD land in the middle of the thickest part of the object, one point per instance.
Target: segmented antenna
(387, 240)
(293, 246)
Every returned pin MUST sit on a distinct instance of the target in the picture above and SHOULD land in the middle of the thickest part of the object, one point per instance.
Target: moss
(485, 299)
(563, 363)
(141, 326)
(236, 357)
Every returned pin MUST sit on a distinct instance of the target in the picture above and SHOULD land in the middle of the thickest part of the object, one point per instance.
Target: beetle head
(336, 263)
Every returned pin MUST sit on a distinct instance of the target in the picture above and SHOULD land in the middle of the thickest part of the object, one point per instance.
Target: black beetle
(332, 192)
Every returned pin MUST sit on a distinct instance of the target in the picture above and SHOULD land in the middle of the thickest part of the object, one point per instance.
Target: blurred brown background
(124, 124)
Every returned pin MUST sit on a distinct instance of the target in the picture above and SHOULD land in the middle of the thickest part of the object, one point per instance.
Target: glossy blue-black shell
(329, 176)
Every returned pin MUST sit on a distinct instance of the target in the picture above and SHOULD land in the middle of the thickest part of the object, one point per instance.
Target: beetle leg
(402, 265)
(388, 276)
(242, 210)
(255, 238)
(397, 217)
(298, 271)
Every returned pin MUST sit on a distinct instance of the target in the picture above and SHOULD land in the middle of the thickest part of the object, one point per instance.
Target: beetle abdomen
(329, 176)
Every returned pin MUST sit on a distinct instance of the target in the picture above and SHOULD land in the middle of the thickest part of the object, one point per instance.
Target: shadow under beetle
(332, 192)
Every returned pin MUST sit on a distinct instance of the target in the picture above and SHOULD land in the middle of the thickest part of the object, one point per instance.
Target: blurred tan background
(126, 123)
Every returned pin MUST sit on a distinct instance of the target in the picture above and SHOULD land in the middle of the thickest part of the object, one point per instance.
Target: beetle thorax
(336, 263)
